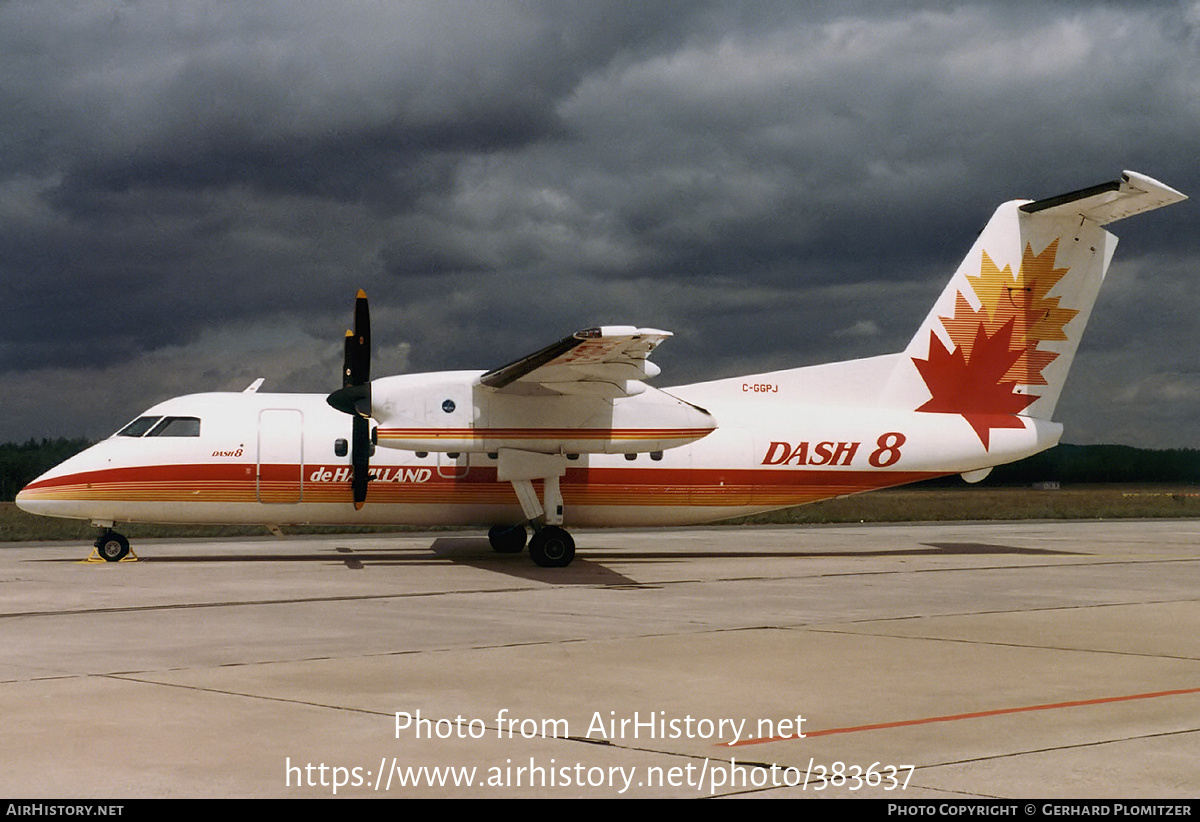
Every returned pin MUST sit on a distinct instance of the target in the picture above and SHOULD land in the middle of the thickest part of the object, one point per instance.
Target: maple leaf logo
(996, 346)
(975, 387)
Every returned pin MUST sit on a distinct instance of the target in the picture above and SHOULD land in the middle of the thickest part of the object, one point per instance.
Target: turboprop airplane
(574, 434)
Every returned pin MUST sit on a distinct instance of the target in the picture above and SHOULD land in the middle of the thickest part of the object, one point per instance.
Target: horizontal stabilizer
(1108, 202)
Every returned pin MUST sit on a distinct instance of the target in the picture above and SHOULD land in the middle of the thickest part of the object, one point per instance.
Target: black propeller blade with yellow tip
(354, 397)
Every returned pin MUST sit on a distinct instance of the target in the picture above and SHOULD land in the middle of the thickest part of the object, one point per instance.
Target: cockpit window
(162, 427)
(138, 427)
(177, 427)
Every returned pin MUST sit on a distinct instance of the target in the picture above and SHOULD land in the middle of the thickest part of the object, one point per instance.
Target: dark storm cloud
(166, 135)
(193, 191)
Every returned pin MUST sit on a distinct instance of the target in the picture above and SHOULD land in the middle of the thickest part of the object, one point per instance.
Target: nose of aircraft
(27, 498)
(51, 493)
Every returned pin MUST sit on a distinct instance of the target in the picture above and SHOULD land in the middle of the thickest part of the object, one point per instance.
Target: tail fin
(1000, 339)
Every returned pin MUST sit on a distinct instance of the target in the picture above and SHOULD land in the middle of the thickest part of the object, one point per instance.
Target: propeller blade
(354, 397)
(360, 456)
(357, 362)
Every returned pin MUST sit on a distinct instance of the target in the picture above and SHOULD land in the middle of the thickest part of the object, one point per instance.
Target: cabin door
(280, 455)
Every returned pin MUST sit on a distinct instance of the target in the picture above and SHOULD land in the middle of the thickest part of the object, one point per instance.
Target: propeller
(354, 397)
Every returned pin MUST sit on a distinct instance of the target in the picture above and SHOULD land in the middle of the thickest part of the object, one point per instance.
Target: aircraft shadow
(931, 549)
(477, 552)
(588, 567)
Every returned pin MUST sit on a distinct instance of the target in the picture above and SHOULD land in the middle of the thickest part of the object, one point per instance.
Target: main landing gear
(550, 547)
(507, 539)
(111, 546)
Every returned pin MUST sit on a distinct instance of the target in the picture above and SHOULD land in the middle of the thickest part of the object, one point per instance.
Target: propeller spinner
(354, 397)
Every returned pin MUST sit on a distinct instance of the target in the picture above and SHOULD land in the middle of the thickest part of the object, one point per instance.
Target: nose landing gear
(111, 546)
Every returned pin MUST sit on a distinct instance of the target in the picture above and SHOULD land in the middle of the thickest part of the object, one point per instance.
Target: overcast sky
(191, 193)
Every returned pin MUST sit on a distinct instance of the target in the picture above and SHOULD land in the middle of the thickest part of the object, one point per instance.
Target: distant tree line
(1080, 464)
(1095, 464)
(1066, 464)
(20, 463)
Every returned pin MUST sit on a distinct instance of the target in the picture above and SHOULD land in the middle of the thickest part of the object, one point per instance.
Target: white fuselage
(273, 459)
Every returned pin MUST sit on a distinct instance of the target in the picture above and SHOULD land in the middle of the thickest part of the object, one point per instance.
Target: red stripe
(646, 486)
(779, 477)
(1079, 703)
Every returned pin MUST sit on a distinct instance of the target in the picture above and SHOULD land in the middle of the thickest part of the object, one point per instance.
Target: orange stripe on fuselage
(542, 433)
(616, 486)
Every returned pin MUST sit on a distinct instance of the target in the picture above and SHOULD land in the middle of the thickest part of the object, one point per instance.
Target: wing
(609, 361)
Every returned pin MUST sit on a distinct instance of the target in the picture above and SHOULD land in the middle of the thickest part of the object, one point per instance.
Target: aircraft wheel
(507, 539)
(552, 547)
(113, 547)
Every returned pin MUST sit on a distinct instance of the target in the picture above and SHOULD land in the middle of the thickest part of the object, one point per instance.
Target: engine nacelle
(452, 412)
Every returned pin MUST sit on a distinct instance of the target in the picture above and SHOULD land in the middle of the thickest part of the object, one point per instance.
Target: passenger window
(138, 427)
(177, 427)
